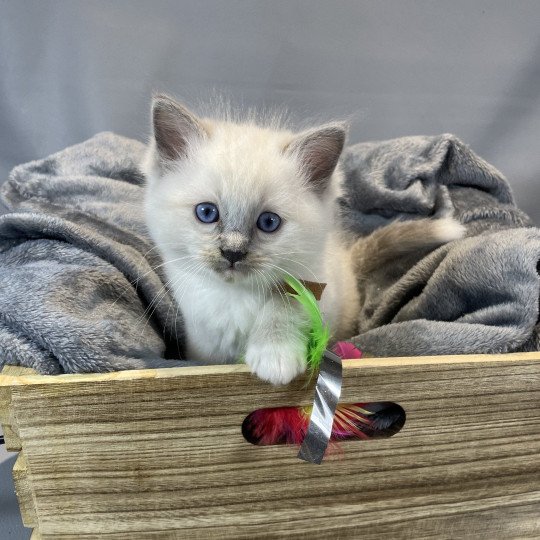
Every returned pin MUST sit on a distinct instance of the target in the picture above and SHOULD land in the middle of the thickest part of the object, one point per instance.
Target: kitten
(235, 207)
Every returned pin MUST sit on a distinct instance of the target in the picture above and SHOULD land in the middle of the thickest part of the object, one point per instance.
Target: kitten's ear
(174, 127)
(318, 152)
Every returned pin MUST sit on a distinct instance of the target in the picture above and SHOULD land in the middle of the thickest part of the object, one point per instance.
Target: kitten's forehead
(245, 155)
(248, 170)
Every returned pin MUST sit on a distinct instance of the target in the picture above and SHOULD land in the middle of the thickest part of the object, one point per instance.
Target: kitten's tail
(403, 238)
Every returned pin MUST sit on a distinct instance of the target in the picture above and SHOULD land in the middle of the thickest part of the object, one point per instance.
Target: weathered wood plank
(23, 489)
(159, 454)
(11, 438)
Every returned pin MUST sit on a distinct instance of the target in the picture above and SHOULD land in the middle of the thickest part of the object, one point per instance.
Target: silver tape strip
(327, 393)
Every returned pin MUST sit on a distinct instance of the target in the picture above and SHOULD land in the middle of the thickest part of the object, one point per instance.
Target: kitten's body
(238, 309)
(235, 309)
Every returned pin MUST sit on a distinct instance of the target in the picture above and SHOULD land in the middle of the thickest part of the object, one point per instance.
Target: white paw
(277, 362)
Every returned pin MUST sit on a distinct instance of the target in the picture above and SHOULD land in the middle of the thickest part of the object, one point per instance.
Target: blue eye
(268, 222)
(207, 212)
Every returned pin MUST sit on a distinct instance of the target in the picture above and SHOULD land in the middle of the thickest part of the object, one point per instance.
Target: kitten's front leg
(277, 345)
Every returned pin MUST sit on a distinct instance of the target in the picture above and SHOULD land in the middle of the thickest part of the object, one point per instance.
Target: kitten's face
(234, 202)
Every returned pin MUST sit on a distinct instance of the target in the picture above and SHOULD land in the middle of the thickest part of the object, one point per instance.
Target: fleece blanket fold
(82, 287)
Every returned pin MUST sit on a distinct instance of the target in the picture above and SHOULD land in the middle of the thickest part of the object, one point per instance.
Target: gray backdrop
(69, 69)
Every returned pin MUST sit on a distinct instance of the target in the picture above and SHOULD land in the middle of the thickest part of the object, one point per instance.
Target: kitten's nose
(233, 256)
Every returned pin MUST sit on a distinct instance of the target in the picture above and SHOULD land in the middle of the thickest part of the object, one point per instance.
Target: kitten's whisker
(261, 298)
(106, 312)
(288, 297)
(146, 315)
(154, 268)
(161, 292)
(290, 252)
(178, 284)
(271, 265)
(121, 295)
(265, 285)
(158, 297)
(279, 288)
(155, 301)
(144, 256)
(172, 305)
(180, 288)
(169, 285)
(285, 301)
(309, 270)
(177, 287)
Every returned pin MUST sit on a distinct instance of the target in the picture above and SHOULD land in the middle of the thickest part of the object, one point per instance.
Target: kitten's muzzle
(233, 256)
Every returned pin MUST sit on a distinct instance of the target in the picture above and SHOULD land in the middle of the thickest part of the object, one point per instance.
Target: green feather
(319, 334)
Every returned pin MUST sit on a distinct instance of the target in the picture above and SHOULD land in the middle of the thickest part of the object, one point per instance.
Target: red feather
(288, 425)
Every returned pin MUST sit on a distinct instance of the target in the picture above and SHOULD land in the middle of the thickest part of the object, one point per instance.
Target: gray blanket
(82, 288)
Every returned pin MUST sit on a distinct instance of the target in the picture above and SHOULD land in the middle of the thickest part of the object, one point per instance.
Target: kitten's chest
(218, 319)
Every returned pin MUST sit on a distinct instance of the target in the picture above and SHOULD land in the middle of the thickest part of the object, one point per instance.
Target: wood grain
(23, 489)
(11, 438)
(160, 454)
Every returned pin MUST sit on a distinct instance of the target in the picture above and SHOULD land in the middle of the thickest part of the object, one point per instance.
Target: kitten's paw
(277, 363)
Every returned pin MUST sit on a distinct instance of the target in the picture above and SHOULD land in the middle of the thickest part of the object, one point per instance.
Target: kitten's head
(238, 201)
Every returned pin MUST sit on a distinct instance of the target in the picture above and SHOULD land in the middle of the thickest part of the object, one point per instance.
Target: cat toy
(355, 421)
(313, 426)
(318, 334)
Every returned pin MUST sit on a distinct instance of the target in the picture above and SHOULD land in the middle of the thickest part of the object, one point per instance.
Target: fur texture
(235, 310)
(245, 169)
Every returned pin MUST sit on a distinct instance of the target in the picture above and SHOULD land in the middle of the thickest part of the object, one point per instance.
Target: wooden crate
(160, 454)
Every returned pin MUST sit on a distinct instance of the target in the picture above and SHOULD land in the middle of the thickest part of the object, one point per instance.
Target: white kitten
(216, 190)
(233, 208)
